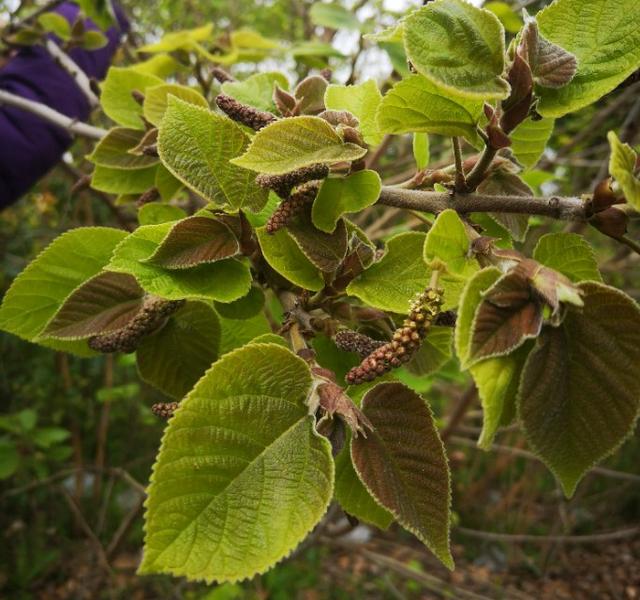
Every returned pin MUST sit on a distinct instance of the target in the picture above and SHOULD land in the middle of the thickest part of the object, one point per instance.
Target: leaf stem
(479, 171)
(461, 182)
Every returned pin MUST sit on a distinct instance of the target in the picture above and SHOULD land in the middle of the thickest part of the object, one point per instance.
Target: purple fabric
(30, 146)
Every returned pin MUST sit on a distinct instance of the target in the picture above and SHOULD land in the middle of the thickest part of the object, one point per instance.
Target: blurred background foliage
(77, 437)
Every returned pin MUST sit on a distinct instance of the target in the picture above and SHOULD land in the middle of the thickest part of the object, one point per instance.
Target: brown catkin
(154, 311)
(290, 207)
(164, 410)
(221, 75)
(247, 115)
(283, 184)
(352, 341)
(405, 342)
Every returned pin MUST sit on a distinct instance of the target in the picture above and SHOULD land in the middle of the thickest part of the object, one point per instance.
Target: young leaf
(310, 94)
(155, 213)
(284, 255)
(195, 241)
(243, 308)
(37, 293)
(622, 165)
(333, 16)
(225, 280)
(102, 304)
(391, 283)
(416, 104)
(604, 36)
(116, 99)
(568, 253)
(290, 144)
(353, 497)
(256, 90)
(325, 250)
(341, 195)
(361, 100)
(420, 147)
(123, 181)
(174, 358)
(506, 317)
(404, 466)
(241, 476)
(156, 99)
(113, 150)
(529, 140)
(239, 332)
(458, 46)
(179, 40)
(196, 146)
(448, 241)
(579, 397)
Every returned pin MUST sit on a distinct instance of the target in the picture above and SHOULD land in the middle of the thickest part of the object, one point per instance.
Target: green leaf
(508, 17)
(244, 308)
(156, 98)
(195, 241)
(155, 213)
(38, 292)
(239, 332)
(458, 46)
(325, 250)
(361, 100)
(185, 39)
(580, 392)
(448, 242)
(568, 253)
(313, 49)
(116, 99)
(421, 150)
(55, 23)
(94, 40)
(289, 144)
(256, 90)
(174, 358)
(196, 146)
(529, 140)
(123, 181)
(403, 464)
(160, 65)
(333, 16)
(9, 458)
(225, 280)
(604, 35)
(168, 186)
(341, 195)
(102, 304)
(113, 150)
(353, 497)
(416, 104)
(284, 255)
(434, 352)
(45, 437)
(622, 165)
(99, 11)
(241, 471)
(391, 283)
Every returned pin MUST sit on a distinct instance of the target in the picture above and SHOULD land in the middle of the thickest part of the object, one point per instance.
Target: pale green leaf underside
(196, 146)
(529, 140)
(447, 240)
(256, 90)
(113, 150)
(416, 104)
(361, 100)
(290, 144)
(604, 35)
(123, 181)
(570, 254)
(38, 292)
(459, 46)
(284, 255)
(241, 476)
(156, 98)
(433, 353)
(225, 280)
(579, 396)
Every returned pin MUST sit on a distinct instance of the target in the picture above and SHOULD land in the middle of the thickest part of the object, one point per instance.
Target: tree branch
(563, 208)
(78, 75)
(52, 116)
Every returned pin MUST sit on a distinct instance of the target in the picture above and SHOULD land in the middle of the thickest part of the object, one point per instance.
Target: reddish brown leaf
(103, 304)
(402, 463)
(195, 241)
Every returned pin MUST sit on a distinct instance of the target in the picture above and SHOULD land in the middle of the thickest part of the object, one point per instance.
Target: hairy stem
(564, 208)
(461, 181)
(480, 170)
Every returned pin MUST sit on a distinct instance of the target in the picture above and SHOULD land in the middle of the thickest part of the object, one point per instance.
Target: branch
(77, 74)
(49, 6)
(594, 538)
(564, 208)
(52, 116)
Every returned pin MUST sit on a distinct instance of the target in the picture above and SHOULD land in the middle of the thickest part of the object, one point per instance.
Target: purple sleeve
(30, 146)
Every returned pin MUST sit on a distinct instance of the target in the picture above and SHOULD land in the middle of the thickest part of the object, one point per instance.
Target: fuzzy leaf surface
(156, 100)
(570, 254)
